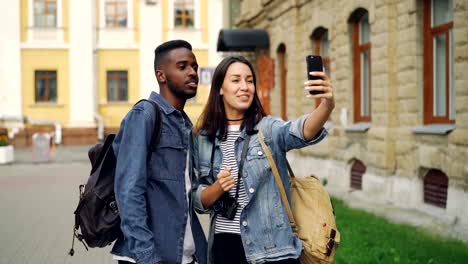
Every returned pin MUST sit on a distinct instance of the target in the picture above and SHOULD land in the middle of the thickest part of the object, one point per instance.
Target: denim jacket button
(251, 190)
(245, 174)
(244, 223)
(247, 242)
(260, 153)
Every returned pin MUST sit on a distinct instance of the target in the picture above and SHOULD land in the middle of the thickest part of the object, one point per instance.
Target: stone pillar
(150, 37)
(10, 54)
(82, 64)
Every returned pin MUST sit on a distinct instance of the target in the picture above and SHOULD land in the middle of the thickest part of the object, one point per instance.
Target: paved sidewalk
(61, 154)
(37, 201)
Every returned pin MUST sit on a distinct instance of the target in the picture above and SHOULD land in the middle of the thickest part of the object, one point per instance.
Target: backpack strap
(157, 126)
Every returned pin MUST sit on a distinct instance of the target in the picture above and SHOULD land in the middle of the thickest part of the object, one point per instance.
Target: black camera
(226, 206)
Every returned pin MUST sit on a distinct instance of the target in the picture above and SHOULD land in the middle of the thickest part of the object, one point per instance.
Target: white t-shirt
(189, 243)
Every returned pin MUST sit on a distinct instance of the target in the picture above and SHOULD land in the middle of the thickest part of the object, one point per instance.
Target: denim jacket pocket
(258, 162)
(165, 158)
(278, 212)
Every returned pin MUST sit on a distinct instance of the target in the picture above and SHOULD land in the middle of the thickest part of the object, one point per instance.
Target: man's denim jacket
(265, 230)
(151, 196)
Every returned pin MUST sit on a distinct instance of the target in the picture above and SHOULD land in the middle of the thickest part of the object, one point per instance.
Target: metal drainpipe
(97, 116)
(100, 129)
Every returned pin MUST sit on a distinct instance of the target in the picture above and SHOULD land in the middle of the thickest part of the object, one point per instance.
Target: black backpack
(97, 221)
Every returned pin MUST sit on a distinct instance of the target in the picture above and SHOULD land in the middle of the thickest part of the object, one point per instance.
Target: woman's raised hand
(324, 86)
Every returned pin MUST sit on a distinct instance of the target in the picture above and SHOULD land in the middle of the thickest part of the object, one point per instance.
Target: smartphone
(314, 63)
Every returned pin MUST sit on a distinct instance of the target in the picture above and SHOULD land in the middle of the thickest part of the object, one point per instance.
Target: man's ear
(160, 76)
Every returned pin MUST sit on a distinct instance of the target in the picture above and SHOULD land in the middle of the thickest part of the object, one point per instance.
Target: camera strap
(241, 163)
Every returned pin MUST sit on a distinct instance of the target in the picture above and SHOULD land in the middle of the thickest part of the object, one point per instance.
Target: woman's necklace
(242, 118)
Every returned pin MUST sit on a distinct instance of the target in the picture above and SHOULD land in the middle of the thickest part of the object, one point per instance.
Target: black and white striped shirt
(224, 225)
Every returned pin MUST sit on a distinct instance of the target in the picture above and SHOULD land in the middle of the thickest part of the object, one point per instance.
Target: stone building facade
(408, 146)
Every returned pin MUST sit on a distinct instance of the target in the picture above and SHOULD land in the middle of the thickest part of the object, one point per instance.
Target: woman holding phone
(234, 181)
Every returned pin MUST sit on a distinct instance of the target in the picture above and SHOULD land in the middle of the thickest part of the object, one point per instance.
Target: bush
(4, 140)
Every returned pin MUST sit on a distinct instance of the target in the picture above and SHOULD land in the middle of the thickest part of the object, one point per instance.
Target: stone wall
(396, 158)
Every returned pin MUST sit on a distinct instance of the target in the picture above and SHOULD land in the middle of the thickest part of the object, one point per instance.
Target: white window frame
(45, 35)
(194, 33)
(196, 16)
(116, 37)
(102, 15)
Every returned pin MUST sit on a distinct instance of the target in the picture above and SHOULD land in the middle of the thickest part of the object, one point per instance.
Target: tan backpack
(313, 218)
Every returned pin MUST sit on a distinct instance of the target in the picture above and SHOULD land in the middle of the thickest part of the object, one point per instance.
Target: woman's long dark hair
(213, 118)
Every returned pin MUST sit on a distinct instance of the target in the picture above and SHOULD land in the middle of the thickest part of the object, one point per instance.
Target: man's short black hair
(161, 51)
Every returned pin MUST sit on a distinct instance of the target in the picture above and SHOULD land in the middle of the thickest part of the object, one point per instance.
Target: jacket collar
(165, 106)
(242, 135)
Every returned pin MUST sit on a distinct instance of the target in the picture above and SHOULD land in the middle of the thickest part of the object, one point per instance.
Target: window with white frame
(116, 24)
(45, 13)
(116, 13)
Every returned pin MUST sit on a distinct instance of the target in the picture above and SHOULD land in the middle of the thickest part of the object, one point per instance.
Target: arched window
(435, 188)
(357, 170)
(281, 52)
(361, 65)
(438, 62)
(320, 45)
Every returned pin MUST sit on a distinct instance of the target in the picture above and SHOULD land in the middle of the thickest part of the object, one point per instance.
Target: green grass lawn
(366, 238)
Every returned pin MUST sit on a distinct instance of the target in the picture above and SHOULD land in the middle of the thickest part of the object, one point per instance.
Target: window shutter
(357, 170)
(435, 188)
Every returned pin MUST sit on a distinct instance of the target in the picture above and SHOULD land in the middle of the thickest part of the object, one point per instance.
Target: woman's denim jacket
(265, 230)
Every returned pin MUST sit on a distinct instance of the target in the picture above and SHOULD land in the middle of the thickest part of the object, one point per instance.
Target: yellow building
(77, 67)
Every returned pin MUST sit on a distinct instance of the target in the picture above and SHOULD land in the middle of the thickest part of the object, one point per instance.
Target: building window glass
(438, 62)
(117, 86)
(362, 65)
(45, 13)
(183, 13)
(234, 12)
(45, 86)
(116, 13)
